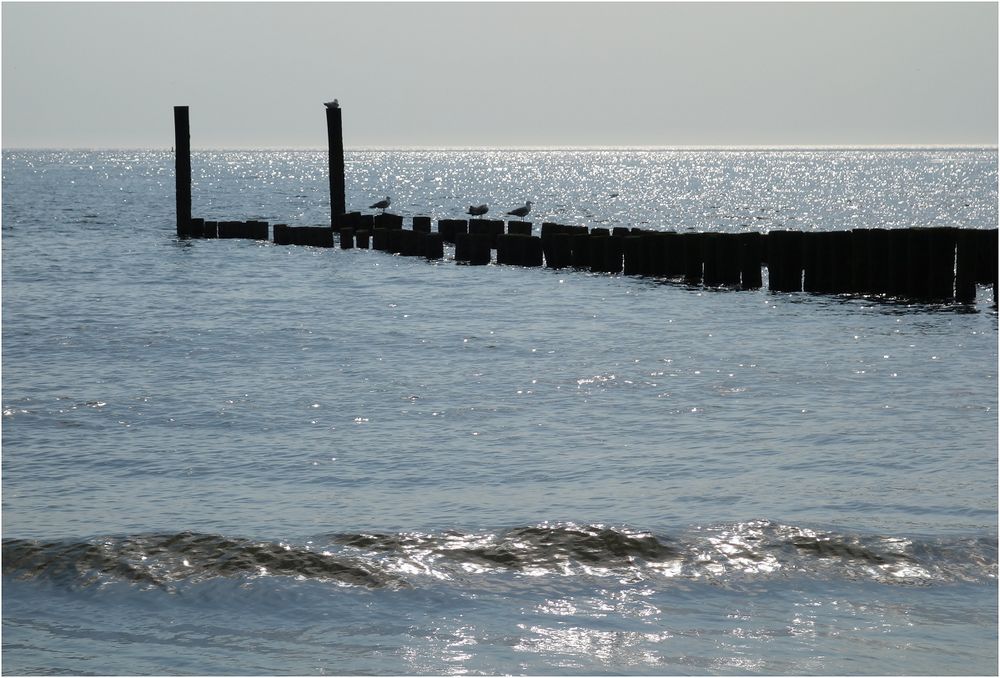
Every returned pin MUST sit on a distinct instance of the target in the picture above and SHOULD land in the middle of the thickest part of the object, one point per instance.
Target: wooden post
(281, 236)
(450, 228)
(784, 261)
(941, 273)
(388, 220)
(581, 250)
(986, 268)
(878, 261)
(692, 257)
(811, 278)
(896, 275)
(674, 247)
(842, 256)
(728, 259)
(433, 246)
(506, 254)
(335, 139)
(411, 243)
(635, 255)
(534, 255)
(918, 259)
(750, 249)
(600, 250)
(557, 249)
(473, 248)
(182, 168)
(966, 254)
(346, 238)
(656, 256)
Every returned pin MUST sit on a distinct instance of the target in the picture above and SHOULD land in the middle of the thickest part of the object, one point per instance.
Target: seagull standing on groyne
(521, 211)
(478, 211)
(381, 204)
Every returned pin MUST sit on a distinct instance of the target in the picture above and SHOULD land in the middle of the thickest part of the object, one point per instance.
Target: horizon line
(424, 148)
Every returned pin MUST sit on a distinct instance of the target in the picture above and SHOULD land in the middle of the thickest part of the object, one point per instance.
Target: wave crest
(377, 560)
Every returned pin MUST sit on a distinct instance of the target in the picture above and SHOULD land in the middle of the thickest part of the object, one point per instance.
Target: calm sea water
(227, 457)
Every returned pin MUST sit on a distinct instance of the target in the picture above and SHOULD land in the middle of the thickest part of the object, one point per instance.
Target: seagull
(522, 211)
(381, 204)
(332, 104)
(478, 211)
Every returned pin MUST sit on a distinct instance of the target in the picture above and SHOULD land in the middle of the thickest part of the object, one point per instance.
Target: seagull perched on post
(381, 204)
(478, 211)
(522, 211)
(332, 104)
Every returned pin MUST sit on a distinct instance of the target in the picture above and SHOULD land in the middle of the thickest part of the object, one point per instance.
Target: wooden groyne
(924, 264)
(938, 264)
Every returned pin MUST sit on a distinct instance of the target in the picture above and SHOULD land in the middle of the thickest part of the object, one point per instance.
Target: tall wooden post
(182, 168)
(335, 139)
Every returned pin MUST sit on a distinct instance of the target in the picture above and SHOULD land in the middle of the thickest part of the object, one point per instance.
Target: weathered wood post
(750, 252)
(507, 251)
(556, 247)
(581, 250)
(728, 259)
(784, 261)
(692, 257)
(451, 228)
(842, 256)
(635, 255)
(811, 275)
(987, 266)
(878, 261)
(433, 246)
(335, 139)
(600, 250)
(966, 260)
(918, 263)
(896, 271)
(860, 256)
(941, 276)
(182, 168)
(709, 258)
(534, 254)
(346, 238)
(473, 248)
(675, 254)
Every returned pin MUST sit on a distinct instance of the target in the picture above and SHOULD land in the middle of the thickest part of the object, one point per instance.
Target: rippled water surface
(227, 457)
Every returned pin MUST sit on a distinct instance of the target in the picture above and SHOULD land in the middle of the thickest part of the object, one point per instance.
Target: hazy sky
(94, 75)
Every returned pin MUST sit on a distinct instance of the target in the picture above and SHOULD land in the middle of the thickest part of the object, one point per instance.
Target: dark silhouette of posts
(182, 168)
(750, 246)
(335, 139)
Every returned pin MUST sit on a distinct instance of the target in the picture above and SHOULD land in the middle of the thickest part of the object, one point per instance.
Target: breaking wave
(752, 549)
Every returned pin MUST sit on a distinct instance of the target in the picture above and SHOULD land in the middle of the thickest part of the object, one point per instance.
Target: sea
(227, 457)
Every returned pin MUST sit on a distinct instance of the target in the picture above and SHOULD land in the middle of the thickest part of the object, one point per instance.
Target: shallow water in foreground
(230, 457)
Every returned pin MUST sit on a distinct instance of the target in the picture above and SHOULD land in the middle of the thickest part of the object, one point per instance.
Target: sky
(520, 74)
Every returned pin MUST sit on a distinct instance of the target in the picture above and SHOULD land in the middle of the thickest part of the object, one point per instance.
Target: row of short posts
(928, 264)
(200, 228)
(314, 236)
(711, 259)
(932, 264)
